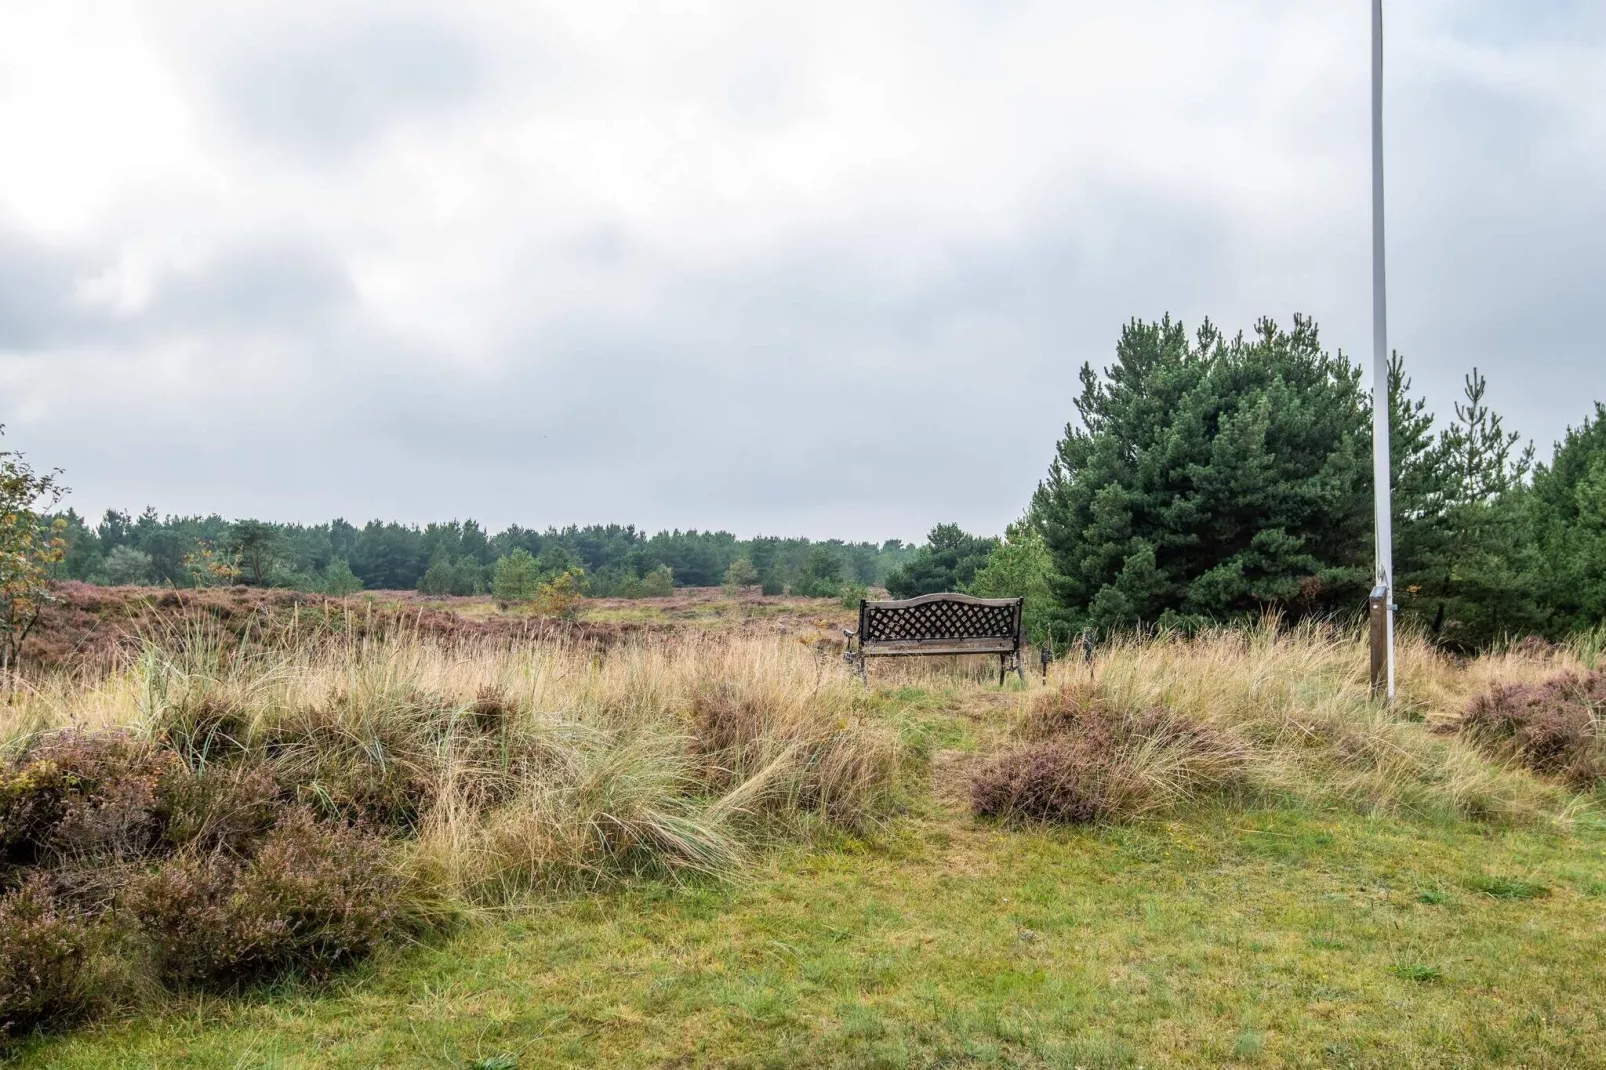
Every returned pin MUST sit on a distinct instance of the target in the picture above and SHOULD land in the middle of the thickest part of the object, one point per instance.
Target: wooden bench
(937, 624)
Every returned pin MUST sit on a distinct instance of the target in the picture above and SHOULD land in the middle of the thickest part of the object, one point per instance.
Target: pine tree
(517, 577)
(1210, 479)
(1567, 515)
(948, 561)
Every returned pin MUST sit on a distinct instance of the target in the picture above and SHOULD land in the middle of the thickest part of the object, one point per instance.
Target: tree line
(454, 557)
(1208, 478)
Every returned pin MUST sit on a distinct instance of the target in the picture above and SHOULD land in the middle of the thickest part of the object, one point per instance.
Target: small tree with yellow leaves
(30, 546)
(210, 567)
(562, 595)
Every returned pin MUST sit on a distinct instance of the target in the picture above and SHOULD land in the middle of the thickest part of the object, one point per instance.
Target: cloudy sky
(738, 264)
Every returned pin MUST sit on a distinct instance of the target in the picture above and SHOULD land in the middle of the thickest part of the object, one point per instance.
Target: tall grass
(1283, 713)
(512, 767)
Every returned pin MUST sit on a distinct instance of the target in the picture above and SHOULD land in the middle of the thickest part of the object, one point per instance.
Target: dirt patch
(951, 773)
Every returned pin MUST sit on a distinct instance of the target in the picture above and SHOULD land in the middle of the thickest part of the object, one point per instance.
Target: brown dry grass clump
(1554, 727)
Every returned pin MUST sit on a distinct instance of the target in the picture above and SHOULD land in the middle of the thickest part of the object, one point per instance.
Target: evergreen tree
(1210, 480)
(948, 561)
(256, 545)
(128, 567)
(740, 574)
(1488, 562)
(339, 580)
(388, 557)
(1567, 516)
(517, 577)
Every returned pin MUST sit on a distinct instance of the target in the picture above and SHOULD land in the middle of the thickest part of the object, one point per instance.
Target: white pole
(1380, 354)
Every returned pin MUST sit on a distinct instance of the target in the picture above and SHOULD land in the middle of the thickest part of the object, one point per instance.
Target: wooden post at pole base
(1379, 605)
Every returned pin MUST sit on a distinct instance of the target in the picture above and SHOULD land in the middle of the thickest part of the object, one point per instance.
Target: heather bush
(82, 795)
(47, 970)
(314, 896)
(1051, 780)
(1089, 759)
(1554, 727)
(225, 808)
(493, 710)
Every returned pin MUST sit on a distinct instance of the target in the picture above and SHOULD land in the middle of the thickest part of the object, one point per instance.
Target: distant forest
(453, 558)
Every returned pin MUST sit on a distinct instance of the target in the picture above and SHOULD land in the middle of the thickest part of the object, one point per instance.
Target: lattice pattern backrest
(939, 620)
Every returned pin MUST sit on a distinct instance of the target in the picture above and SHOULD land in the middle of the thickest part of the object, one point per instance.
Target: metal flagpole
(1382, 599)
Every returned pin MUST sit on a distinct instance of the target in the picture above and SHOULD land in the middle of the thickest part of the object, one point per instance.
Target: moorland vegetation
(734, 852)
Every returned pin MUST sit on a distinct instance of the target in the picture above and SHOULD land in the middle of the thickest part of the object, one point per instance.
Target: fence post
(1379, 612)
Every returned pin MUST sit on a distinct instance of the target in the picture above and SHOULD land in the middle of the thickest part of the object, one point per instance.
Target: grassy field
(1369, 892)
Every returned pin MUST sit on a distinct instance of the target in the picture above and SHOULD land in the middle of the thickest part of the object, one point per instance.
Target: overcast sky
(821, 268)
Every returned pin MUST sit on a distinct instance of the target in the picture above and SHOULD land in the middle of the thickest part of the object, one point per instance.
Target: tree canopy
(948, 561)
(1210, 477)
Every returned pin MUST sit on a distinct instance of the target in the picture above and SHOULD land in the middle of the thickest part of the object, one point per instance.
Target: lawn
(1279, 933)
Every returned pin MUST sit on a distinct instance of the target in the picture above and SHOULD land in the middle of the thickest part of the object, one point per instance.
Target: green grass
(1267, 937)
(1507, 887)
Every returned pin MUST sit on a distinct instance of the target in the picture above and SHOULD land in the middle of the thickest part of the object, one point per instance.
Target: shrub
(96, 795)
(562, 595)
(228, 807)
(740, 574)
(339, 580)
(126, 566)
(516, 577)
(1057, 780)
(493, 710)
(1090, 760)
(1553, 727)
(313, 897)
(44, 952)
(659, 583)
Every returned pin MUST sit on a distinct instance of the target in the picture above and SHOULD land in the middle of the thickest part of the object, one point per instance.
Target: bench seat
(937, 624)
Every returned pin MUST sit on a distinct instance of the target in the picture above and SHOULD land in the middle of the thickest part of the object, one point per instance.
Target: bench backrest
(941, 623)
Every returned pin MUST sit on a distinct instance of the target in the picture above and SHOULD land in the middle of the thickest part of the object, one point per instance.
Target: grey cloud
(37, 282)
(316, 94)
(1496, 230)
(805, 377)
(283, 284)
